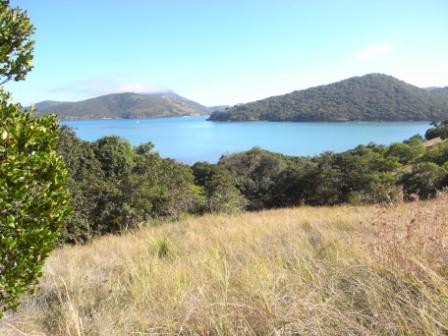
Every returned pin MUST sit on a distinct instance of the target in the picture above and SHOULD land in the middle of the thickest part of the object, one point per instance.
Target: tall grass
(304, 271)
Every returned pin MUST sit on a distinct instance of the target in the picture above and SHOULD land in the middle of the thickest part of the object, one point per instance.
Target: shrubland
(116, 187)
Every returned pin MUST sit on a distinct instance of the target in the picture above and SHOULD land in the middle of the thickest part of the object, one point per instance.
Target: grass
(433, 142)
(303, 271)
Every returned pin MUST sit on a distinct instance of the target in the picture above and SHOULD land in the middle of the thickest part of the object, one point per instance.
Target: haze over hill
(373, 97)
(126, 106)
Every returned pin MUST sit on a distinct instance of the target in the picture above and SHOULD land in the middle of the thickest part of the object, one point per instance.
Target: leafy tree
(424, 180)
(437, 154)
(406, 152)
(33, 200)
(221, 193)
(161, 188)
(327, 181)
(115, 155)
(79, 156)
(16, 45)
(439, 130)
(257, 171)
(382, 188)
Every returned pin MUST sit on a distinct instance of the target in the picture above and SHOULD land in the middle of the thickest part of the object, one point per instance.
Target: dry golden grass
(304, 271)
(433, 142)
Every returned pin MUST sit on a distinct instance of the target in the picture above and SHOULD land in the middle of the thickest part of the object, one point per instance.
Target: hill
(439, 90)
(302, 271)
(126, 106)
(373, 97)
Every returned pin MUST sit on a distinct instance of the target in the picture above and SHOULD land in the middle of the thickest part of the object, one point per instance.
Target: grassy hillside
(373, 97)
(124, 105)
(306, 271)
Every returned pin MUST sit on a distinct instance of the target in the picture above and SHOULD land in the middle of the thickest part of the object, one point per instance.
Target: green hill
(373, 97)
(126, 106)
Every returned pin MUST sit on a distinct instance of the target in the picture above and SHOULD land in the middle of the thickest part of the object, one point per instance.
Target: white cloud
(374, 51)
(96, 87)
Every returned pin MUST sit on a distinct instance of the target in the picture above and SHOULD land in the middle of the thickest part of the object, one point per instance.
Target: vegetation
(373, 97)
(33, 200)
(116, 187)
(378, 270)
(125, 106)
(439, 130)
(306, 271)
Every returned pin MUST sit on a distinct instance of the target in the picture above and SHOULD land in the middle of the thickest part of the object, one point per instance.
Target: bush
(439, 130)
(424, 180)
(33, 200)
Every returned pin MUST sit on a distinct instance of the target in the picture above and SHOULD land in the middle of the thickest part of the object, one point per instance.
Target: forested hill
(373, 97)
(125, 105)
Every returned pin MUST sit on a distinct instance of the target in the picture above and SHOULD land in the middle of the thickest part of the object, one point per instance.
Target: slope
(305, 271)
(124, 105)
(373, 97)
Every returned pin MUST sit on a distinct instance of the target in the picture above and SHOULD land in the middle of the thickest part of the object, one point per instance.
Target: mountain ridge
(372, 97)
(125, 105)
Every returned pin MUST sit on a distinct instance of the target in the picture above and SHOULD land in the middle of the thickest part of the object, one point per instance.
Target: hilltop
(126, 106)
(308, 271)
(373, 97)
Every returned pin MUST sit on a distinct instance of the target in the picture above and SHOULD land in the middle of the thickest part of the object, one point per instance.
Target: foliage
(437, 154)
(407, 152)
(371, 97)
(161, 188)
(115, 156)
(219, 184)
(16, 45)
(424, 180)
(116, 187)
(439, 130)
(33, 200)
(256, 172)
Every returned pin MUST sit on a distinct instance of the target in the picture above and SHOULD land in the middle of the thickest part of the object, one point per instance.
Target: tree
(424, 180)
(439, 130)
(115, 155)
(257, 171)
(160, 188)
(16, 45)
(219, 185)
(406, 152)
(33, 200)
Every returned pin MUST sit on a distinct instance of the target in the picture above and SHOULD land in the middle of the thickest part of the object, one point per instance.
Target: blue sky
(228, 51)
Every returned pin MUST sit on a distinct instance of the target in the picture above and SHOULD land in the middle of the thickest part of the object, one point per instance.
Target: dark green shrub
(424, 180)
(33, 200)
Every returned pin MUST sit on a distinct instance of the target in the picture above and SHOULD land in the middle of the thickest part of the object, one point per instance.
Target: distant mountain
(373, 97)
(219, 108)
(437, 89)
(47, 104)
(441, 91)
(126, 106)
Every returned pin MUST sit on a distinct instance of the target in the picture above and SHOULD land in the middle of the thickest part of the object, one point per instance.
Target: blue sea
(192, 139)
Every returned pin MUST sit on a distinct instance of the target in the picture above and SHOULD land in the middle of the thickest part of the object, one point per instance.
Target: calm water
(192, 139)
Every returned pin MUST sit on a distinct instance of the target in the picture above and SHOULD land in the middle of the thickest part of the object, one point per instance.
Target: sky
(228, 51)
